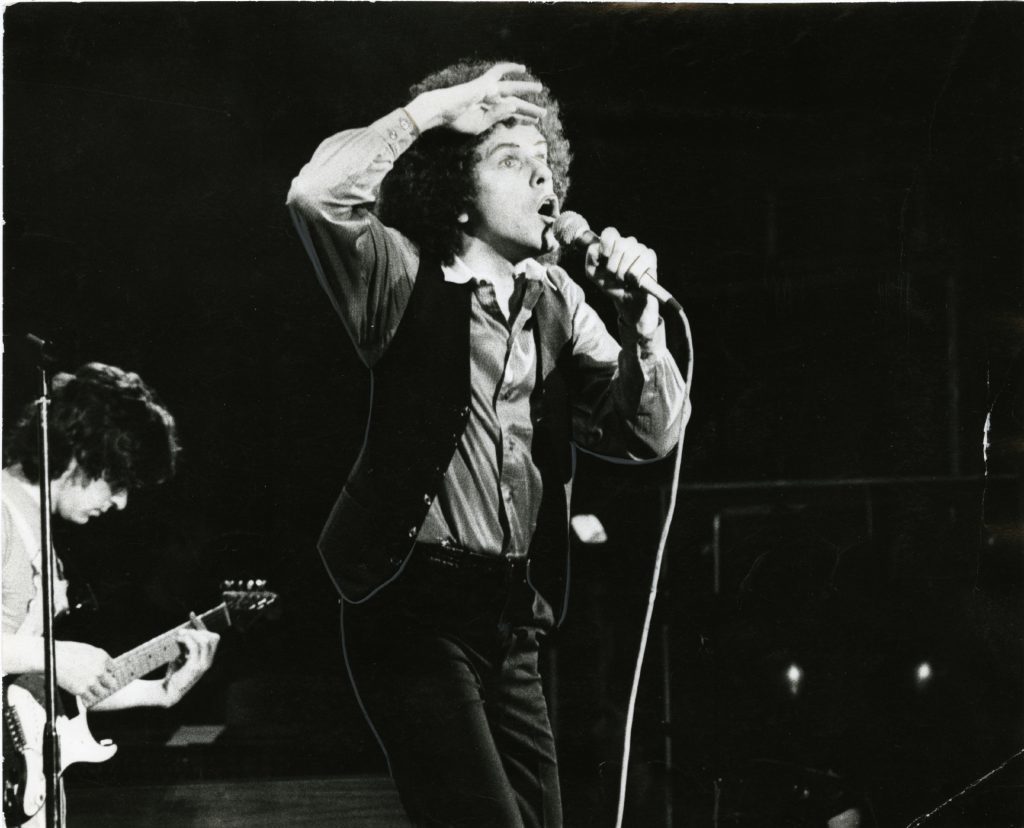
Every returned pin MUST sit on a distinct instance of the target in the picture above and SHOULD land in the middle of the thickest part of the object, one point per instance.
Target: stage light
(924, 673)
(588, 529)
(795, 675)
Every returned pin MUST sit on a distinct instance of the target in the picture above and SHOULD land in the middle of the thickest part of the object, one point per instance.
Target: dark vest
(418, 411)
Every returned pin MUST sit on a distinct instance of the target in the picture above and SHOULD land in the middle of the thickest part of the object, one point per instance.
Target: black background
(834, 192)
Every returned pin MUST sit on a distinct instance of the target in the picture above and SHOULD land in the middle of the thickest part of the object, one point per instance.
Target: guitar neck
(159, 651)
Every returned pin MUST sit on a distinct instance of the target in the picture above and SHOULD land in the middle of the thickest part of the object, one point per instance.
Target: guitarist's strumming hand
(84, 670)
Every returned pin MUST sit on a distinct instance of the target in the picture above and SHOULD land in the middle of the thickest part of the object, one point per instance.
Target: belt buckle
(443, 554)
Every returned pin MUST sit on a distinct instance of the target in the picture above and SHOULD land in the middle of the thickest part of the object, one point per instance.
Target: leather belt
(456, 558)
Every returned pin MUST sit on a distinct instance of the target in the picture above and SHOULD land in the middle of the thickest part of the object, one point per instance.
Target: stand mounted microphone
(54, 810)
(572, 230)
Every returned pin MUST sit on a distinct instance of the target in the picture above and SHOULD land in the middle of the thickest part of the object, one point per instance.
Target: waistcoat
(419, 406)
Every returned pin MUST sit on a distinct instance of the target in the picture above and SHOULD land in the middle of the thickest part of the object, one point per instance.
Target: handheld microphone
(572, 230)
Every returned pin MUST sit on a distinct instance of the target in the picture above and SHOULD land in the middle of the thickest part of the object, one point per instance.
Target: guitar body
(24, 712)
(24, 725)
(24, 786)
(77, 743)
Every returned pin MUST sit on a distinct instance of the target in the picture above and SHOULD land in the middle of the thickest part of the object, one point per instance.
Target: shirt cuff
(397, 129)
(647, 347)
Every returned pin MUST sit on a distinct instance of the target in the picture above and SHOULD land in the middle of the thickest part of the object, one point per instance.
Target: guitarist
(108, 436)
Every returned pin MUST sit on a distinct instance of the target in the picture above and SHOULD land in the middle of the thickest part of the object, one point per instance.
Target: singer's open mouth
(549, 207)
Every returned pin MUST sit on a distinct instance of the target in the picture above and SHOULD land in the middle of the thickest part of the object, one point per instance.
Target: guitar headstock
(247, 596)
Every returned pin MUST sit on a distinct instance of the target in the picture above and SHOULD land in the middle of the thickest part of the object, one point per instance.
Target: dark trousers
(445, 664)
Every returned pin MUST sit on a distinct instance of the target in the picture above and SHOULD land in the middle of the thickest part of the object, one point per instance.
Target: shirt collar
(459, 273)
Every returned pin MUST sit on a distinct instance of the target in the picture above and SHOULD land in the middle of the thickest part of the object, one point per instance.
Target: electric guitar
(24, 713)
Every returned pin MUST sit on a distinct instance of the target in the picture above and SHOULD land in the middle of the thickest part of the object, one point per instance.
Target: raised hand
(84, 670)
(609, 262)
(477, 105)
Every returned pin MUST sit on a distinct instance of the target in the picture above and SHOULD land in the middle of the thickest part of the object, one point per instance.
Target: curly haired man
(108, 436)
(432, 232)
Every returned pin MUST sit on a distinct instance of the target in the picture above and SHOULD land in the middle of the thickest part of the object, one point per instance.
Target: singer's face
(515, 205)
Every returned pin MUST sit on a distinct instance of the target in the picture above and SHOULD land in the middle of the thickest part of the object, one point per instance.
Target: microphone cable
(658, 558)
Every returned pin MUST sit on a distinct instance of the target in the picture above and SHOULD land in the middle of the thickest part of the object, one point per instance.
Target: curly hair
(433, 181)
(108, 421)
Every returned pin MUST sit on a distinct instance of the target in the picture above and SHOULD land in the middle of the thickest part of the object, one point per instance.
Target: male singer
(428, 230)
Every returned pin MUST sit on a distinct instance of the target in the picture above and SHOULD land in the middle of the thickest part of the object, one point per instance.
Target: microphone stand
(51, 741)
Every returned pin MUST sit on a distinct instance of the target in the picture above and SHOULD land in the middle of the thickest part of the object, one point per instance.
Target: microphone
(572, 230)
(44, 350)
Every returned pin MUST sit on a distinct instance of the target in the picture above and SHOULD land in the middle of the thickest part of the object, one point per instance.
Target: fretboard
(159, 651)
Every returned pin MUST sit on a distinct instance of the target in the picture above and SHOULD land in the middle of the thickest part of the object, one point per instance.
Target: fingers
(200, 648)
(203, 645)
(504, 108)
(493, 87)
(100, 680)
(593, 260)
(107, 678)
(613, 250)
(502, 97)
(513, 88)
(85, 670)
(616, 263)
(479, 104)
(499, 70)
(624, 256)
(193, 655)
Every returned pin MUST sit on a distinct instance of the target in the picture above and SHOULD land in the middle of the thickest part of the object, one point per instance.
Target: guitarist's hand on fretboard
(200, 648)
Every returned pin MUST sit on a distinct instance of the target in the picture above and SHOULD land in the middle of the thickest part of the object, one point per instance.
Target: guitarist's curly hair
(108, 421)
